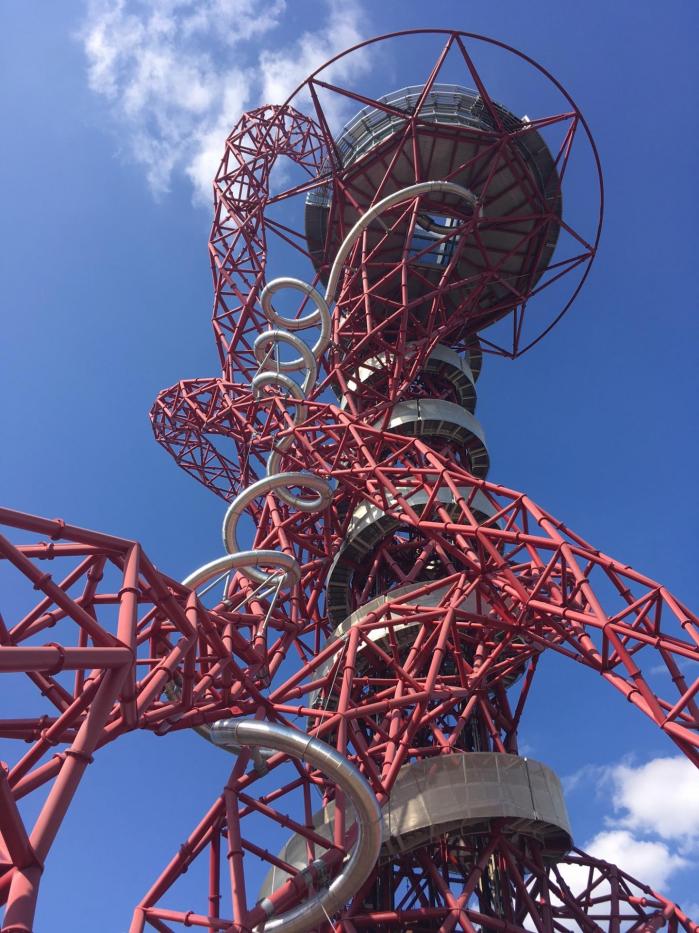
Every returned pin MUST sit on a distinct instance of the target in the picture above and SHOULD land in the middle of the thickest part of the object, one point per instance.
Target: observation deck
(456, 796)
(491, 250)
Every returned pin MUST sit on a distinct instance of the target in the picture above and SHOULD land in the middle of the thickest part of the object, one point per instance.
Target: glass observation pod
(508, 230)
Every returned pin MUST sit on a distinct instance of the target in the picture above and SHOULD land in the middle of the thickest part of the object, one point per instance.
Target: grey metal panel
(369, 524)
(444, 355)
(367, 514)
(461, 371)
(446, 104)
(458, 111)
(403, 632)
(427, 417)
(458, 795)
(465, 792)
(433, 598)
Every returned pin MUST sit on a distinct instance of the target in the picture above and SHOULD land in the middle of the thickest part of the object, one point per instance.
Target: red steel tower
(367, 657)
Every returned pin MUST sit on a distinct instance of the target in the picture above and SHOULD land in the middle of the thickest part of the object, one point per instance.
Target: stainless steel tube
(257, 734)
(412, 191)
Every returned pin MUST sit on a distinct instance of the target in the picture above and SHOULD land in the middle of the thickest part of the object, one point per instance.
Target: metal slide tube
(264, 735)
(262, 350)
(321, 316)
(240, 560)
(251, 560)
(412, 191)
(315, 910)
(273, 373)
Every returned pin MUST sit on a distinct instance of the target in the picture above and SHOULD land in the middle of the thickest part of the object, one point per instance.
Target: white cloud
(177, 74)
(649, 861)
(661, 797)
(653, 832)
(285, 69)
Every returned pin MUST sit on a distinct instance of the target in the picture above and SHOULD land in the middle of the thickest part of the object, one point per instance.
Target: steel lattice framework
(367, 660)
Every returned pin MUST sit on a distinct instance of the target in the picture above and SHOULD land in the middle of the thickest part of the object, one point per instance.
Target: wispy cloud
(178, 73)
(283, 70)
(653, 830)
(590, 777)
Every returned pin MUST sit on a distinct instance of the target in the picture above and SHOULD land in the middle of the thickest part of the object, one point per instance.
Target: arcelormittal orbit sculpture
(367, 656)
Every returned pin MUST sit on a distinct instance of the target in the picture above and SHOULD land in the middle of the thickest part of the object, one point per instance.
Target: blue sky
(113, 124)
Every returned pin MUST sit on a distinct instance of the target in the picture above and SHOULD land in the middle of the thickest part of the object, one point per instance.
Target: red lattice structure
(123, 635)
(367, 659)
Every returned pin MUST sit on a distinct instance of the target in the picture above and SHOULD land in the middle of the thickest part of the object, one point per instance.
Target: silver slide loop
(319, 317)
(412, 191)
(306, 360)
(354, 872)
(246, 559)
(282, 381)
(272, 372)
(274, 462)
(280, 484)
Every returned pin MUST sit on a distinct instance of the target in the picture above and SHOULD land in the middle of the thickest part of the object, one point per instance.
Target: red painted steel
(454, 592)
(123, 634)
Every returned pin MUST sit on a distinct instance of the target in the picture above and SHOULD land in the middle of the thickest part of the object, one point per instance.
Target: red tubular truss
(423, 594)
(124, 634)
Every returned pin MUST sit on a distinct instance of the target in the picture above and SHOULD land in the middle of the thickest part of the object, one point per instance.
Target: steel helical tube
(272, 372)
(356, 869)
(269, 737)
